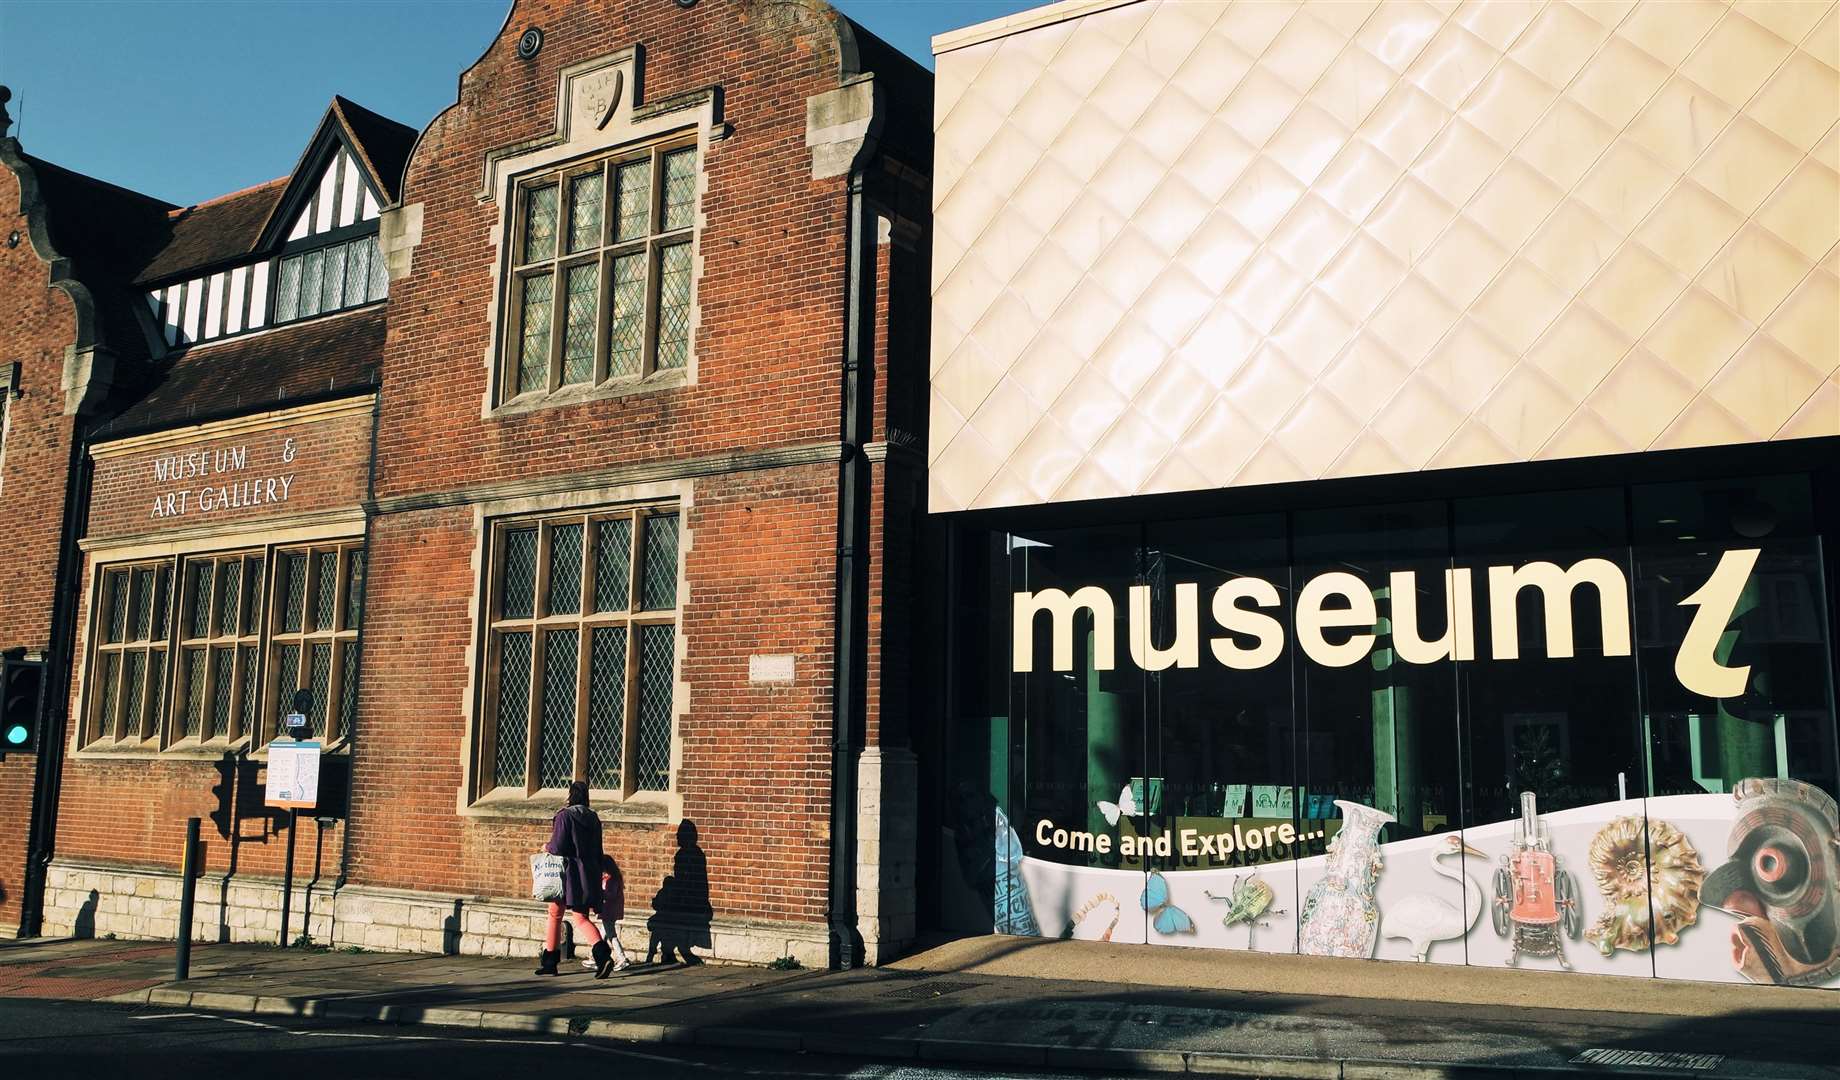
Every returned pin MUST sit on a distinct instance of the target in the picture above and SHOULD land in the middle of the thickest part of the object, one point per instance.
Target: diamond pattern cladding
(1181, 246)
(656, 646)
(556, 750)
(606, 706)
(513, 731)
(658, 591)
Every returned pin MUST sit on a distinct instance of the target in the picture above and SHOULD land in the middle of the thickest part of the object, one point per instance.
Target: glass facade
(1486, 728)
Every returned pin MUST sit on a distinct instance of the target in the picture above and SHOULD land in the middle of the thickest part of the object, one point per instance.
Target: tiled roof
(383, 143)
(226, 228)
(314, 359)
(212, 232)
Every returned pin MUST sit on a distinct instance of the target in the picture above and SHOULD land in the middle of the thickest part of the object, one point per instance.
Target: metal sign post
(293, 783)
(188, 888)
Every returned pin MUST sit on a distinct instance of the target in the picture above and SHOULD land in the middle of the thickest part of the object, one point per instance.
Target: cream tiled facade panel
(1194, 245)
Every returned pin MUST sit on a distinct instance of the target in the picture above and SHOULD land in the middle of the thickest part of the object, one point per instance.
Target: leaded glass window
(216, 639)
(602, 287)
(314, 639)
(128, 671)
(581, 653)
(206, 650)
(331, 277)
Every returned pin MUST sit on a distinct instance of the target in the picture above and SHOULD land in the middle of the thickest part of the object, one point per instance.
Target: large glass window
(600, 288)
(1449, 684)
(581, 653)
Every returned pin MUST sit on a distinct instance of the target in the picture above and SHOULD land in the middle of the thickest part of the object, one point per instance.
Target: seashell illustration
(1623, 870)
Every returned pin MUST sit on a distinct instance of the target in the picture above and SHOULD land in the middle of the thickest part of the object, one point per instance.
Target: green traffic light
(16, 735)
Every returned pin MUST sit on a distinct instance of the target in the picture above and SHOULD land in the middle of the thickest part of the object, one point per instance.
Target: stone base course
(93, 900)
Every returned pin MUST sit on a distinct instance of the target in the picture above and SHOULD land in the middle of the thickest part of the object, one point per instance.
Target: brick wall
(39, 323)
(760, 563)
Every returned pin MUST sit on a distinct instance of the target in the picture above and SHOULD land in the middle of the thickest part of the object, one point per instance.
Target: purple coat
(575, 834)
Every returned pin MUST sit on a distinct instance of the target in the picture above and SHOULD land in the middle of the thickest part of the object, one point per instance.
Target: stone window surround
(473, 800)
(583, 131)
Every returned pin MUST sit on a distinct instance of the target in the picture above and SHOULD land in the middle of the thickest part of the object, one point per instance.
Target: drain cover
(927, 989)
(1648, 1059)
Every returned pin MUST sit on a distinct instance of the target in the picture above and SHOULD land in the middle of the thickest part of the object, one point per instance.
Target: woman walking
(575, 834)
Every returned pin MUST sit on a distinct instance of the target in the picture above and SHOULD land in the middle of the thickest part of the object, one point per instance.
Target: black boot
(546, 962)
(603, 959)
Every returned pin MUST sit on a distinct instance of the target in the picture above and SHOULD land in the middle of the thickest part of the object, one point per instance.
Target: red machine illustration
(1536, 899)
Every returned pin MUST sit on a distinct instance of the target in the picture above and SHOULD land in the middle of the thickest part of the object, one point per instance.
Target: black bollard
(188, 887)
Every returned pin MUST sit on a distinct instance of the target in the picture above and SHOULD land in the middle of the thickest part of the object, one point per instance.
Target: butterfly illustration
(1126, 806)
(1165, 916)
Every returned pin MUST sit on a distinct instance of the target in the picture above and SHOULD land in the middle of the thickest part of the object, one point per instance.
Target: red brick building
(618, 494)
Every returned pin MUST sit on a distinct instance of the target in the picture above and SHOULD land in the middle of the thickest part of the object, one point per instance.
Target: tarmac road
(44, 1039)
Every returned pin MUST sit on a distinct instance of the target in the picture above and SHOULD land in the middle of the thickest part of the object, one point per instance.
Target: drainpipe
(54, 694)
(364, 589)
(848, 704)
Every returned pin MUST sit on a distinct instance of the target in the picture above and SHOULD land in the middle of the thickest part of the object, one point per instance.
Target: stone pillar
(887, 810)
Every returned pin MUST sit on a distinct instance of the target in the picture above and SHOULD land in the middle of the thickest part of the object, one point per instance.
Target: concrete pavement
(1019, 1002)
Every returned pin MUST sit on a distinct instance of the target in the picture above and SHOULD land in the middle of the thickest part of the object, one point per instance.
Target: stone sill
(534, 402)
(185, 750)
(652, 808)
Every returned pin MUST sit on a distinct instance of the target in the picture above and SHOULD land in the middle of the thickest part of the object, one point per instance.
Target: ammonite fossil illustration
(1624, 871)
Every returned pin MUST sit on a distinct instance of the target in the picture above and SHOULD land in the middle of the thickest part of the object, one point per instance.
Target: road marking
(459, 1037)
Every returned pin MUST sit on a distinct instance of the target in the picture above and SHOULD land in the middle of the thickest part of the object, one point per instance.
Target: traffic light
(20, 683)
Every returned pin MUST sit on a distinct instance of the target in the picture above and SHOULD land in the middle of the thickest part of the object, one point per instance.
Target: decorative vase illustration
(1014, 912)
(1340, 916)
(1626, 858)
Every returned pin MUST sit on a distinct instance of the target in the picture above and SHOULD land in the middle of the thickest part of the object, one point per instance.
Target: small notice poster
(293, 774)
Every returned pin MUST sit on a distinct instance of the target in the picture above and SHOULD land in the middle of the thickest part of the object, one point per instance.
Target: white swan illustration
(1424, 919)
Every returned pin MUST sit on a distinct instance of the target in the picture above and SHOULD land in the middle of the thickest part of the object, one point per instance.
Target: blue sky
(187, 99)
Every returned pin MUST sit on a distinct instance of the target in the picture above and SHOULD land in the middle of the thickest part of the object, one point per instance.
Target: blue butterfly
(1165, 916)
